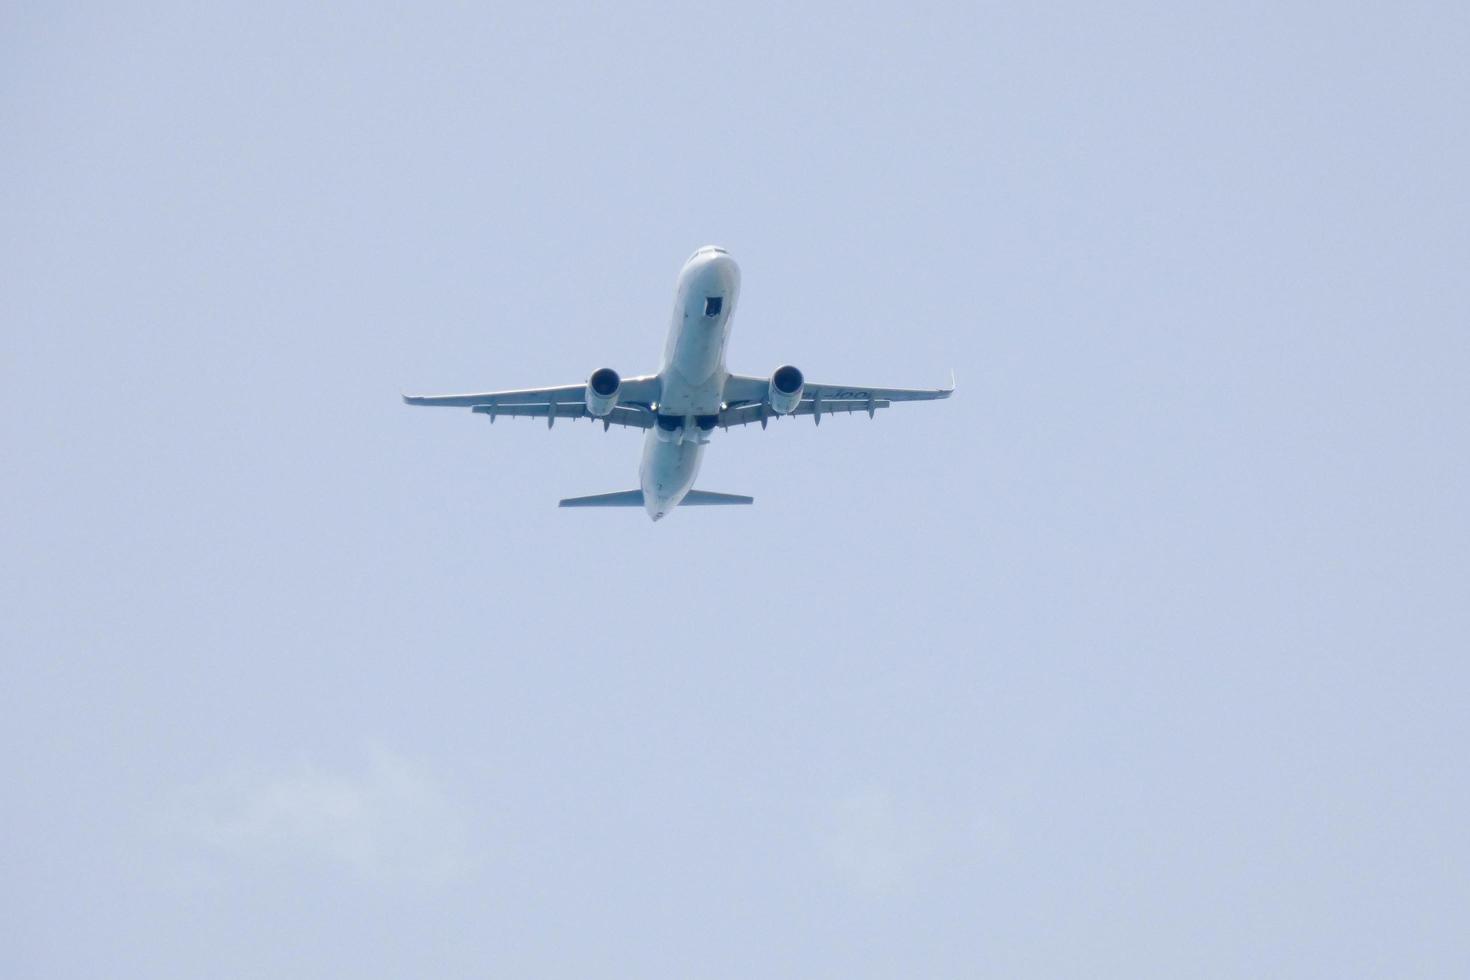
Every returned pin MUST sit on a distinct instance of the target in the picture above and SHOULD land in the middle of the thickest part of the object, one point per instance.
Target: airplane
(691, 394)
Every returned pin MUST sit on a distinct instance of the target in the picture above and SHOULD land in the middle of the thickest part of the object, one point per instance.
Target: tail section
(708, 498)
(622, 498)
(634, 498)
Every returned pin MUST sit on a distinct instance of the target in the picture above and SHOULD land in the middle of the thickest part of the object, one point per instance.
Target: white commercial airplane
(690, 395)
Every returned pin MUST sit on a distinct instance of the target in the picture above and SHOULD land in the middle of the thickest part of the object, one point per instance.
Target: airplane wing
(747, 399)
(634, 407)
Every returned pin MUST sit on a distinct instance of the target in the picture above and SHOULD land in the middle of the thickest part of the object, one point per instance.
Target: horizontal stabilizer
(634, 498)
(622, 498)
(708, 498)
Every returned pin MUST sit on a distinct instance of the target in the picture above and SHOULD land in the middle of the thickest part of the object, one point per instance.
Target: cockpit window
(708, 250)
(713, 304)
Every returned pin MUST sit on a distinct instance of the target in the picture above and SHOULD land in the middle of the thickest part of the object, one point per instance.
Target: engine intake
(785, 393)
(602, 392)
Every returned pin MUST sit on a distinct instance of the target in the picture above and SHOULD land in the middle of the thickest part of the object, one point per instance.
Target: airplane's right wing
(747, 399)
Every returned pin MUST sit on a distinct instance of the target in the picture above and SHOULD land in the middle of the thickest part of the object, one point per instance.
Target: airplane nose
(713, 261)
(707, 250)
(711, 276)
(720, 272)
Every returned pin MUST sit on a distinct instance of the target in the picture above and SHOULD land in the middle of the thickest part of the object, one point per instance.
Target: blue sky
(1142, 656)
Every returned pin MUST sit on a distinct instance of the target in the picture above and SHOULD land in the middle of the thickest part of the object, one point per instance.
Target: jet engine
(602, 392)
(785, 392)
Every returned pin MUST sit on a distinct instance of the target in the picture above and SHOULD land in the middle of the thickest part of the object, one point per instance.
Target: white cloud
(880, 842)
(872, 842)
(387, 821)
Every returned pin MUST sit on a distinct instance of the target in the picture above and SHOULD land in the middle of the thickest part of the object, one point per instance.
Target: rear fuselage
(691, 378)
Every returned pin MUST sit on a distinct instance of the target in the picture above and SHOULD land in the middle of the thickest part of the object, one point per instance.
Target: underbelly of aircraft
(668, 472)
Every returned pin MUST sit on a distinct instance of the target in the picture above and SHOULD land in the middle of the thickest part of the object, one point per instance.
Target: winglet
(950, 390)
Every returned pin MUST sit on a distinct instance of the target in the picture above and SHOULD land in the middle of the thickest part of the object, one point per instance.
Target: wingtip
(950, 390)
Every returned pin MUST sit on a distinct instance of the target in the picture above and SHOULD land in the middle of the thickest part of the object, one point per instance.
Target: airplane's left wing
(634, 407)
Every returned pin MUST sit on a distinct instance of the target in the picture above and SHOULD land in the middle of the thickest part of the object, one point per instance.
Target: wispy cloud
(880, 842)
(872, 842)
(387, 820)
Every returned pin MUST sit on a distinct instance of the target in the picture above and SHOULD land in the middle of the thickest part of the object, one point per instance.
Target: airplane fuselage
(691, 379)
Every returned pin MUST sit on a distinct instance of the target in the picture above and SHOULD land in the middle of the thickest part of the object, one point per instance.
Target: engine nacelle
(602, 392)
(785, 392)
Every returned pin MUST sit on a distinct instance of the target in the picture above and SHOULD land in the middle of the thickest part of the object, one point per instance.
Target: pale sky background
(1144, 656)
